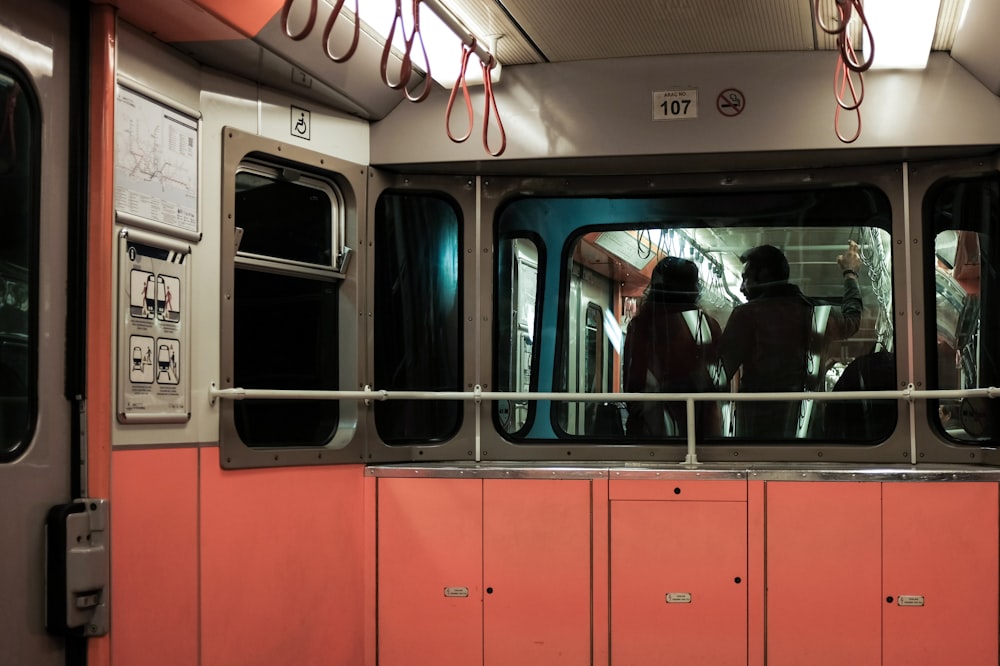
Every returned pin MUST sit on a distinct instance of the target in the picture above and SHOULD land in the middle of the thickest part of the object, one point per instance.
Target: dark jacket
(778, 339)
(663, 355)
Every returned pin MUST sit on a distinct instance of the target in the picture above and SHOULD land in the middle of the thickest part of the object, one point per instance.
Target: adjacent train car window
(963, 215)
(742, 292)
(418, 323)
(285, 303)
(19, 190)
(516, 312)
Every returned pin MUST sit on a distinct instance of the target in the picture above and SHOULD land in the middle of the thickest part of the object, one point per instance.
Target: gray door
(35, 455)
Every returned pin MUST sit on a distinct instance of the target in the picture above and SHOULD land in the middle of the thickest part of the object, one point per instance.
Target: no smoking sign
(730, 102)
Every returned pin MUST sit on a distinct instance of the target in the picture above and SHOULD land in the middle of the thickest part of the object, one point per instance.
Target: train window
(285, 303)
(661, 294)
(964, 219)
(516, 323)
(19, 188)
(417, 315)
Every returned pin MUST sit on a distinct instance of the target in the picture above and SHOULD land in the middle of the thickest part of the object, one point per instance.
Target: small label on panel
(680, 104)
(456, 591)
(678, 597)
(910, 600)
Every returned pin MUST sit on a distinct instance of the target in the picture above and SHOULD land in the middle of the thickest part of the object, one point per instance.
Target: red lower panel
(824, 566)
(430, 569)
(536, 547)
(282, 565)
(678, 582)
(940, 545)
(154, 546)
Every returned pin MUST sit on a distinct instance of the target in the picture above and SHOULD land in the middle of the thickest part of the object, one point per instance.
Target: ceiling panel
(587, 29)
(564, 30)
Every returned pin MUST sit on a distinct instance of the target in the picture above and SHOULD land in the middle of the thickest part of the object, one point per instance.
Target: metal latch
(78, 568)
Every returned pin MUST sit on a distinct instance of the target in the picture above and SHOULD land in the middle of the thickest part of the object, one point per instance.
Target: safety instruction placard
(152, 333)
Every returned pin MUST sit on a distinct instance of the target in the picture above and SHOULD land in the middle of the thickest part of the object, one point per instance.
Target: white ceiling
(537, 31)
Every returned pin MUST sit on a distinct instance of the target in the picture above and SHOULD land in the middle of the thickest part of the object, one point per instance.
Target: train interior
(320, 346)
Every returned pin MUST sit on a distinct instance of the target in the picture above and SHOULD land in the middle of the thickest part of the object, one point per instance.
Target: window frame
(242, 151)
(500, 192)
(927, 179)
(475, 252)
(31, 229)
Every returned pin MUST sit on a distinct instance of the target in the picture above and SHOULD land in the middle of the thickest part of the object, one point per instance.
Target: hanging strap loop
(467, 50)
(286, 9)
(406, 66)
(334, 15)
(491, 104)
(416, 34)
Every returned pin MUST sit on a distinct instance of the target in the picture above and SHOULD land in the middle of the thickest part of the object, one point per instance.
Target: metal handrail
(909, 394)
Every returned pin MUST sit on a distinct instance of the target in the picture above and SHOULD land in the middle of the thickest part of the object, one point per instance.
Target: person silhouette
(671, 347)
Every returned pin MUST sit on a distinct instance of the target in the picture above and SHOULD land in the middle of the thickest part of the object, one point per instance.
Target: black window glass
(417, 316)
(19, 187)
(285, 314)
(283, 219)
(286, 332)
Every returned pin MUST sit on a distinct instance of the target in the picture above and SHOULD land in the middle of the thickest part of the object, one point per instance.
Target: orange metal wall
(282, 561)
(175, 21)
(247, 567)
(694, 550)
(429, 539)
(536, 559)
(520, 547)
(154, 566)
(100, 214)
(216, 567)
(940, 541)
(824, 569)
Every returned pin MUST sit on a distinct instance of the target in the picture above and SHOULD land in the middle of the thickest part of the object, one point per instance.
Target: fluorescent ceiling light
(444, 47)
(903, 31)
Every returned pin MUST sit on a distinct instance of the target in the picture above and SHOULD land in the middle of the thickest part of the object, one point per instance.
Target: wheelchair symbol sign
(301, 124)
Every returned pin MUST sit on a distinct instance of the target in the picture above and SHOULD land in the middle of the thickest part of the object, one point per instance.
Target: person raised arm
(849, 320)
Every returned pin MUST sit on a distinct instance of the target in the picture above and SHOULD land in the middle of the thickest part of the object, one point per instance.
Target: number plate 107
(675, 104)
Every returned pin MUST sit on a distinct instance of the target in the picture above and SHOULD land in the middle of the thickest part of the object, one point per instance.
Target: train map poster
(152, 350)
(156, 162)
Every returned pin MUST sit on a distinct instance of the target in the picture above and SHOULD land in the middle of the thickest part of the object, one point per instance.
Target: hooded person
(671, 347)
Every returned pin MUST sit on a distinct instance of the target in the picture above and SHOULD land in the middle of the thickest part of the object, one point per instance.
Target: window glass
(516, 324)
(285, 314)
(963, 215)
(19, 186)
(417, 316)
(653, 295)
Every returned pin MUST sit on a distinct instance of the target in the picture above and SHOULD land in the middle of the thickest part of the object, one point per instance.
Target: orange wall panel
(429, 539)
(172, 21)
(601, 552)
(100, 258)
(682, 491)
(283, 555)
(678, 548)
(941, 543)
(536, 561)
(247, 16)
(756, 560)
(154, 556)
(823, 573)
